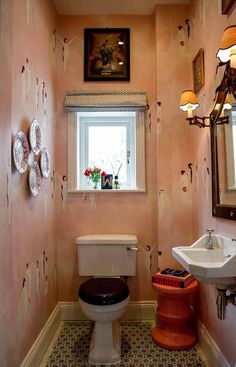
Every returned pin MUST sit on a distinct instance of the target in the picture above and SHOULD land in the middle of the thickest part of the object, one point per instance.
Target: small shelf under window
(113, 191)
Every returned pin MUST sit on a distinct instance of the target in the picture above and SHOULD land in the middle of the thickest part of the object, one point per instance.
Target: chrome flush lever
(132, 248)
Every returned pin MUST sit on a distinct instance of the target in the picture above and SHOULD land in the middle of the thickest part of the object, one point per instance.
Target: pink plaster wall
(174, 149)
(209, 25)
(6, 253)
(130, 213)
(26, 223)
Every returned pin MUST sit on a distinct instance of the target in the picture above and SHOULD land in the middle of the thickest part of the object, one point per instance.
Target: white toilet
(105, 297)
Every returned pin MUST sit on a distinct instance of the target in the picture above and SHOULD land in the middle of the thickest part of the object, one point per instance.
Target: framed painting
(198, 71)
(227, 5)
(106, 54)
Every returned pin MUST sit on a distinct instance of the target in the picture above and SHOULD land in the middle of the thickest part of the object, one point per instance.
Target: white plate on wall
(35, 179)
(35, 137)
(21, 152)
(45, 163)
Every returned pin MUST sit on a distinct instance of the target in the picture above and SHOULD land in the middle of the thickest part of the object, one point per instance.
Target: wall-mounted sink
(217, 265)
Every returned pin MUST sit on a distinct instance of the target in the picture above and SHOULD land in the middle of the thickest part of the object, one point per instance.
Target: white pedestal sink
(217, 265)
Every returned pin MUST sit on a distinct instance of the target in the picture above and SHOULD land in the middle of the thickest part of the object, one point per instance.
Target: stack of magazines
(173, 278)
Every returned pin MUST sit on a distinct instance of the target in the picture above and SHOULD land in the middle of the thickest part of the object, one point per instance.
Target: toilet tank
(107, 254)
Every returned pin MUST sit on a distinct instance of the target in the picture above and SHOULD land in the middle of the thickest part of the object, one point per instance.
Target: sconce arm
(222, 120)
(199, 121)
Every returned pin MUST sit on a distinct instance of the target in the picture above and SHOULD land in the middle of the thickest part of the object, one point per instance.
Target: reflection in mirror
(230, 148)
(225, 153)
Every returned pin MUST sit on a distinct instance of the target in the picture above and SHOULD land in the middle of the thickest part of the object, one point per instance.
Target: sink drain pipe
(224, 297)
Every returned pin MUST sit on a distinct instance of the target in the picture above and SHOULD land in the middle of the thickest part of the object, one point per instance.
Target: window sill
(113, 191)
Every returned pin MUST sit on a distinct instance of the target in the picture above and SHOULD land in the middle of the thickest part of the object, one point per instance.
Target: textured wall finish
(27, 247)
(128, 212)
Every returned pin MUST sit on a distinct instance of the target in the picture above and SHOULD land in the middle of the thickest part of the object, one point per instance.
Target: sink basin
(217, 266)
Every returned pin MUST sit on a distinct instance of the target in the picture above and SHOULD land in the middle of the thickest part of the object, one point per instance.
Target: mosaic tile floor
(137, 348)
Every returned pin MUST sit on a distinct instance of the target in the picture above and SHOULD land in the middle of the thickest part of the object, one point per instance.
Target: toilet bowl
(105, 297)
(104, 300)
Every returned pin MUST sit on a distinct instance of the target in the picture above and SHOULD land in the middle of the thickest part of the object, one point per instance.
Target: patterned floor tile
(137, 348)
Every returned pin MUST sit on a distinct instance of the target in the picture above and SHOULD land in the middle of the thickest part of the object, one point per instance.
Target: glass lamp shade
(188, 101)
(227, 50)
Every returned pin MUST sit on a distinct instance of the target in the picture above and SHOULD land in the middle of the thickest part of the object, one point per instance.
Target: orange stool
(173, 314)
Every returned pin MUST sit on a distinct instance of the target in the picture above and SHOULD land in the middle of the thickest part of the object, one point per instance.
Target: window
(112, 141)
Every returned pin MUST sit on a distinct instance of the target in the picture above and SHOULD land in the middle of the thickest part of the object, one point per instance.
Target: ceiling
(110, 7)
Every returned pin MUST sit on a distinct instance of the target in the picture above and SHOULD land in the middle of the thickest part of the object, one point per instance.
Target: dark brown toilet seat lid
(103, 291)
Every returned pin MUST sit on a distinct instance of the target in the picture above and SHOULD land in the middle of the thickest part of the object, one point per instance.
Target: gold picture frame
(198, 71)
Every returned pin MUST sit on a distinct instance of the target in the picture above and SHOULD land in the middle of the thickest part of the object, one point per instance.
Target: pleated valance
(105, 100)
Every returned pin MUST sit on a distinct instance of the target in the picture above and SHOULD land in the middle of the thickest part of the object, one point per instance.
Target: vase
(95, 185)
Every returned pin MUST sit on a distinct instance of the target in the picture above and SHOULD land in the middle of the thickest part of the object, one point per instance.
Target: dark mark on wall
(190, 166)
(150, 121)
(62, 197)
(187, 21)
(7, 195)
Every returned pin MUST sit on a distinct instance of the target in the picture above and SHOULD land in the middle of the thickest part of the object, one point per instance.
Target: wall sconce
(227, 56)
(227, 50)
(188, 103)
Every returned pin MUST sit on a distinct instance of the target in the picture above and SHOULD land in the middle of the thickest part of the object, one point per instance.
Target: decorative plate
(21, 152)
(45, 163)
(35, 137)
(35, 179)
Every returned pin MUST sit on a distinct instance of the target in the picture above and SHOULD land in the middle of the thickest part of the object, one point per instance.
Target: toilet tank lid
(112, 239)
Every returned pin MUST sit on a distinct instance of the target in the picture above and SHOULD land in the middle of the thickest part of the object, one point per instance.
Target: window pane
(108, 149)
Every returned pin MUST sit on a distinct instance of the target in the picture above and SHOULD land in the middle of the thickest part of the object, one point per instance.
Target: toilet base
(105, 345)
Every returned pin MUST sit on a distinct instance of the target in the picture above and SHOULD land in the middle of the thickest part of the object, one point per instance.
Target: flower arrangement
(94, 174)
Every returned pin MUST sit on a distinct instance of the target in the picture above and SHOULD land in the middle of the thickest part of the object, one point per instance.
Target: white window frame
(75, 172)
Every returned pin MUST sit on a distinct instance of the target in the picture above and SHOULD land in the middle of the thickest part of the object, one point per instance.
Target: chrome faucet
(209, 245)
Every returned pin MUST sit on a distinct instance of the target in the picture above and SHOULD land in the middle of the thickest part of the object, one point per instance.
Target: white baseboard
(212, 352)
(139, 311)
(43, 340)
(68, 311)
(71, 311)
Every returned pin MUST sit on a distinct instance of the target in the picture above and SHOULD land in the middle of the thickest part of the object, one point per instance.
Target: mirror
(223, 152)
